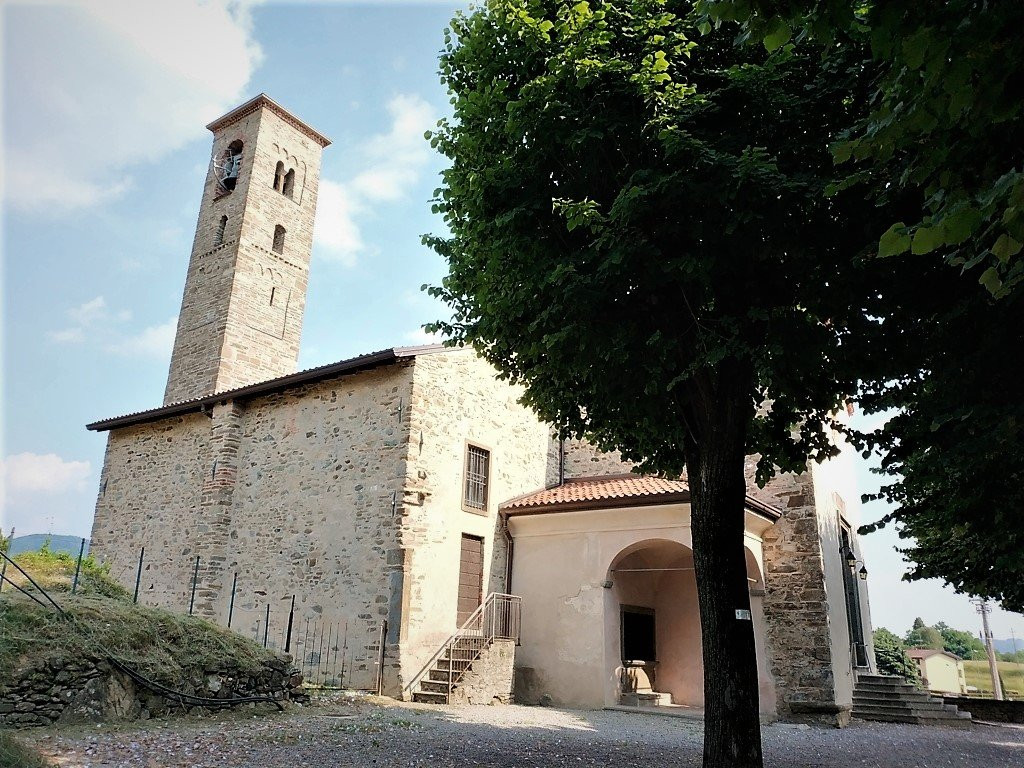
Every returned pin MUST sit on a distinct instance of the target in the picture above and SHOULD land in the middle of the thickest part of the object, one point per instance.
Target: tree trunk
(732, 728)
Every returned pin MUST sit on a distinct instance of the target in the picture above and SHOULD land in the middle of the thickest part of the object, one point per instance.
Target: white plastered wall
(570, 632)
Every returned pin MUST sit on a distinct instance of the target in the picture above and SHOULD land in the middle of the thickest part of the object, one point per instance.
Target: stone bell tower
(245, 291)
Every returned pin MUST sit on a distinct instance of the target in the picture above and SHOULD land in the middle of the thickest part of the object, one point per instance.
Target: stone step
(458, 654)
(433, 686)
(881, 679)
(873, 700)
(892, 717)
(428, 697)
(879, 690)
(441, 675)
(456, 664)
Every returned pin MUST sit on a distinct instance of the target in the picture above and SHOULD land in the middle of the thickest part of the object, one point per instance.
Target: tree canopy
(891, 656)
(640, 235)
(945, 132)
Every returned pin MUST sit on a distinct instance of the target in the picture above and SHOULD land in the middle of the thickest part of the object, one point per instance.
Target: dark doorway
(471, 576)
(851, 590)
(638, 634)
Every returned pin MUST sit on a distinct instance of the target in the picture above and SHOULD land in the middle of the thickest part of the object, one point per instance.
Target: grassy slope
(165, 646)
(1011, 675)
(14, 754)
(55, 572)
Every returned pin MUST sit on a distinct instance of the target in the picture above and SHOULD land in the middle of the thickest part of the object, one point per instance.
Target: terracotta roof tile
(613, 491)
(585, 489)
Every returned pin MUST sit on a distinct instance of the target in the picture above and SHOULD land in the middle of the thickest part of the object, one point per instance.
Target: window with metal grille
(478, 469)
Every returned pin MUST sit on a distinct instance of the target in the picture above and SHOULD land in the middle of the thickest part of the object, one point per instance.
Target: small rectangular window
(478, 471)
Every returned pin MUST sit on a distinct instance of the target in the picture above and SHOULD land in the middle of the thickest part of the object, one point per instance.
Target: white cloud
(156, 341)
(420, 337)
(393, 163)
(94, 320)
(45, 473)
(42, 493)
(131, 81)
(335, 229)
(89, 312)
(67, 336)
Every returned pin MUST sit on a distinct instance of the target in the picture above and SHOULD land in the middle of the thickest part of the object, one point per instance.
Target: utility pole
(985, 609)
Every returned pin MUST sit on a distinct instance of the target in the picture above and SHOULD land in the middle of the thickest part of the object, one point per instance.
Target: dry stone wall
(89, 690)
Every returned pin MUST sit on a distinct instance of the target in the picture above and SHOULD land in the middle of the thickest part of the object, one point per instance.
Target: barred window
(478, 469)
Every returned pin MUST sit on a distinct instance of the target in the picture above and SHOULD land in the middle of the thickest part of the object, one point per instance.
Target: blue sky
(105, 155)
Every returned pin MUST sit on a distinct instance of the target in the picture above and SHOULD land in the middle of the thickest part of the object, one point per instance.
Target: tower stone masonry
(245, 290)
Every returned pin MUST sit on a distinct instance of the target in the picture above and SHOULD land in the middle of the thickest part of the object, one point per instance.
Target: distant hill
(34, 541)
(1006, 646)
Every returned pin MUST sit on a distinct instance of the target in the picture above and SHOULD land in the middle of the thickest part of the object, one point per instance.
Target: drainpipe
(561, 460)
(510, 548)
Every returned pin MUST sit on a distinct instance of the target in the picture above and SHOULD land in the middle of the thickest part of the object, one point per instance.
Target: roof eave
(201, 404)
(262, 100)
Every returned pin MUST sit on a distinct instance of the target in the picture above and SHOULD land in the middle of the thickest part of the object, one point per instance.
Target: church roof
(332, 370)
(263, 100)
(580, 493)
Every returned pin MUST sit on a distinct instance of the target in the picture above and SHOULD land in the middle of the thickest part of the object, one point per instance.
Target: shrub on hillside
(891, 657)
(55, 572)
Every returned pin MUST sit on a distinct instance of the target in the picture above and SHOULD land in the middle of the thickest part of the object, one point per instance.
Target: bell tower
(245, 291)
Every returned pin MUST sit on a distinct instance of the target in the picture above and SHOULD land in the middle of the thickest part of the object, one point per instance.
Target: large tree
(639, 234)
(944, 131)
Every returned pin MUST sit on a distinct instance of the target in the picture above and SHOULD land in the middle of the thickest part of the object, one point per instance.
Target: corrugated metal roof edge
(351, 365)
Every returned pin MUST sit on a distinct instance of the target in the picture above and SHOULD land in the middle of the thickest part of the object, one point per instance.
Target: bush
(891, 657)
(55, 572)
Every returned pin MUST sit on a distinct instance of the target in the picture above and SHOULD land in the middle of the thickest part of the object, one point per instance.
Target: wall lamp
(851, 561)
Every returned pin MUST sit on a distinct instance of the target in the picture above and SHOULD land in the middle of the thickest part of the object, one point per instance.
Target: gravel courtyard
(365, 734)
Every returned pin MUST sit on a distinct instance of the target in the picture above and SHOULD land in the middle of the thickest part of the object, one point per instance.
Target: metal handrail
(496, 618)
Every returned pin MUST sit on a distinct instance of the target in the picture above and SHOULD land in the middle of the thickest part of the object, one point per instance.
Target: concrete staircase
(453, 664)
(892, 700)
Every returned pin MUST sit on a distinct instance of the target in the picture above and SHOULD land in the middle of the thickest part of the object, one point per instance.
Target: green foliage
(924, 637)
(1015, 657)
(14, 754)
(640, 236)
(946, 117)
(168, 647)
(963, 644)
(944, 134)
(55, 571)
(634, 218)
(891, 656)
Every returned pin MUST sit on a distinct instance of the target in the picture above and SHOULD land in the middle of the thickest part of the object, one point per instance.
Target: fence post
(138, 575)
(266, 626)
(3, 568)
(231, 605)
(288, 636)
(78, 567)
(380, 655)
(195, 577)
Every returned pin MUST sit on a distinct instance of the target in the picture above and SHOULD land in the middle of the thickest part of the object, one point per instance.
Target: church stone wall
(150, 495)
(457, 399)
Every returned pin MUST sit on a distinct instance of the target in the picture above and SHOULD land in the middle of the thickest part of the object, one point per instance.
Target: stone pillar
(796, 609)
(213, 525)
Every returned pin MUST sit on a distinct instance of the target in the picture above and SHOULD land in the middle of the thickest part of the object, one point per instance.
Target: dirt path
(371, 735)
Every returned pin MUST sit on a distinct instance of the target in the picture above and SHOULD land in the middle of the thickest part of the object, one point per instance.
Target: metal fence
(329, 652)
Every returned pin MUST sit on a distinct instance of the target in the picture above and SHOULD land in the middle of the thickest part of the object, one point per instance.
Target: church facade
(402, 487)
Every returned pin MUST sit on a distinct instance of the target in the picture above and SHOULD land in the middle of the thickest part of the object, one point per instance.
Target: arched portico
(594, 577)
(652, 627)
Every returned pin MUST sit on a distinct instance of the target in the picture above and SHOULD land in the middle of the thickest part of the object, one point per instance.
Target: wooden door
(471, 576)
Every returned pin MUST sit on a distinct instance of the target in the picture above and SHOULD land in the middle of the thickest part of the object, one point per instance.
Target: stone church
(409, 486)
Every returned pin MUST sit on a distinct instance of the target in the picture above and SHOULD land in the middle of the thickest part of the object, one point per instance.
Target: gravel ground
(385, 733)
